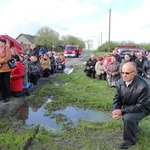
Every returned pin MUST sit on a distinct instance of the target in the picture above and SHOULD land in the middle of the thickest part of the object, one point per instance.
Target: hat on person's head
(2, 40)
(101, 58)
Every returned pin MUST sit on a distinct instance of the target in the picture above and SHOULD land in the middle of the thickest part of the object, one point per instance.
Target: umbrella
(16, 44)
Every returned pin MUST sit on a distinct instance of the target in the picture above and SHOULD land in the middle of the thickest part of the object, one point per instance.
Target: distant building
(25, 40)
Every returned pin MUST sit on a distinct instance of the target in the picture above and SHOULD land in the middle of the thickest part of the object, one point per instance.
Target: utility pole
(101, 41)
(109, 30)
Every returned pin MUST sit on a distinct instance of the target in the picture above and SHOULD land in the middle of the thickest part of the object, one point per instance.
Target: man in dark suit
(131, 102)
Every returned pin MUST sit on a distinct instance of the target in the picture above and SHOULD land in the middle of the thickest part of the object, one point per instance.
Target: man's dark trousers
(131, 126)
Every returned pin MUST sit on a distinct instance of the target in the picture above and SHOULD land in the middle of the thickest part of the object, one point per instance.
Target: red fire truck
(72, 51)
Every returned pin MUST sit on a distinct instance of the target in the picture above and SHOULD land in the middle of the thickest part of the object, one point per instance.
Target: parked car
(119, 48)
(126, 49)
(123, 52)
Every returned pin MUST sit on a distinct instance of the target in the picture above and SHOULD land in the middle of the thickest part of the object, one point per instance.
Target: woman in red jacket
(16, 76)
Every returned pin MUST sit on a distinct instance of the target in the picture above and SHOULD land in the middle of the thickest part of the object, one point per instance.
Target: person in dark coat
(131, 102)
(147, 67)
(34, 51)
(133, 57)
(35, 69)
(53, 63)
(140, 62)
(90, 66)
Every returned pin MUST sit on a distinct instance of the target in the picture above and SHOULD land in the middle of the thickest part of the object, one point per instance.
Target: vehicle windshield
(69, 48)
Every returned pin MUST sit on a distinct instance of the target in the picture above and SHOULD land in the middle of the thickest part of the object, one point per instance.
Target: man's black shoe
(126, 145)
(6, 100)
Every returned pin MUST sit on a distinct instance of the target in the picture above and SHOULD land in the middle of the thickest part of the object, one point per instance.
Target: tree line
(104, 46)
(51, 39)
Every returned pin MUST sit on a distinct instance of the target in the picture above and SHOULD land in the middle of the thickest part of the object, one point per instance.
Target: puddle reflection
(87, 114)
(71, 113)
(39, 117)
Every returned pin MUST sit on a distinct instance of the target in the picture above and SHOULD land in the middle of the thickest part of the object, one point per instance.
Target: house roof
(28, 37)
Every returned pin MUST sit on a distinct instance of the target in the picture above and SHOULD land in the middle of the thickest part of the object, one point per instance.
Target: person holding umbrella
(5, 56)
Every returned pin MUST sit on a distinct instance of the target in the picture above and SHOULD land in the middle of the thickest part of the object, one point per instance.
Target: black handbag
(12, 63)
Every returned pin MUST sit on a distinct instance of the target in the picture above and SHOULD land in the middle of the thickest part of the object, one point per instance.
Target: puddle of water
(68, 70)
(39, 117)
(71, 113)
(56, 84)
(89, 115)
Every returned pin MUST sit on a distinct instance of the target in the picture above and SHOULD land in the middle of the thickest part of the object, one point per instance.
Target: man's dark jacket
(134, 98)
(140, 66)
(91, 62)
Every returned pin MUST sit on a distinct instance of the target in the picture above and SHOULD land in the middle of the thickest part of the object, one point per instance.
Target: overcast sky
(85, 19)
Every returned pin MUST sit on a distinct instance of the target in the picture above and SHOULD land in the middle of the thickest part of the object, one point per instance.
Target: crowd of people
(30, 66)
(109, 68)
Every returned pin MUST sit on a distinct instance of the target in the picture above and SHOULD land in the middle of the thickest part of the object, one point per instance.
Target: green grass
(78, 90)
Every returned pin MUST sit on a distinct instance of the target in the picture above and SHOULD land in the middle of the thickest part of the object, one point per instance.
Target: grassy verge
(79, 90)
